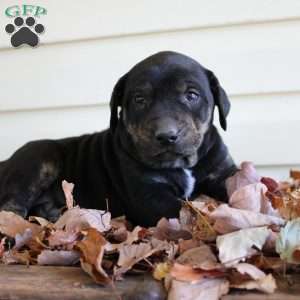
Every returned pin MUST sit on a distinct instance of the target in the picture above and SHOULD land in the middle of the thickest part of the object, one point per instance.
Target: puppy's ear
(116, 101)
(220, 97)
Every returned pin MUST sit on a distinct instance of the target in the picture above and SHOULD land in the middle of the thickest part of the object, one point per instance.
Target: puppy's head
(166, 106)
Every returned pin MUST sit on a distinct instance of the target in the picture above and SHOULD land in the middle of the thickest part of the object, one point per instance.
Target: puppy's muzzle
(167, 132)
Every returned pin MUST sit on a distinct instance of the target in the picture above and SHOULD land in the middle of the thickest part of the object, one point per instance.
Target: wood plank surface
(71, 283)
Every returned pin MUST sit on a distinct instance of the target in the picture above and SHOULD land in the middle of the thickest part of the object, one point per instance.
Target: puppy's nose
(166, 138)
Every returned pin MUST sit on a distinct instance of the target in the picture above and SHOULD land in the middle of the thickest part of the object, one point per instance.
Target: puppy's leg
(27, 174)
(214, 184)
(49, 204)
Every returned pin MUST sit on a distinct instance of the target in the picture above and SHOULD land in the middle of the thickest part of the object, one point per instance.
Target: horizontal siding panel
(265, 129)
(69, 20)
(250, 59)
(17, 128)
(276, 172)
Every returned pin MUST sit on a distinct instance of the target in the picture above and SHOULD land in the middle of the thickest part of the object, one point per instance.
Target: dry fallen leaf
(77, 219)
(62, 238)
(169, 248)
(197, 221)
(185, 245)
(190, 274)
(247, 175)
(207, 289)
(92, 251)
(2, 246)
(41, 221)
(266, 284)
(251, 270)
(131, 237)
(236, 246)
(270, 183)
(249, 197)
(174, 250)
(295, 174)
(12, 224)
(229, 219)
(170, 230)
(68, 191)
(130, 255)
(58, 258)
(273, 263)
(161, 270)
(16, 257)
(120, 235)
(23, 239)
(199, 257)
(288, 241)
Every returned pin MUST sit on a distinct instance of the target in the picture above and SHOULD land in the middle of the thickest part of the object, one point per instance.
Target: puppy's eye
(192, 95)
(138, 99)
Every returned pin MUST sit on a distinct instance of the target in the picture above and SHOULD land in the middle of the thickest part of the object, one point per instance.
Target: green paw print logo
(24, 29)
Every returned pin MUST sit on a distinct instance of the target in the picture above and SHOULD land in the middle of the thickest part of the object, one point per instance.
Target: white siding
(62, 87)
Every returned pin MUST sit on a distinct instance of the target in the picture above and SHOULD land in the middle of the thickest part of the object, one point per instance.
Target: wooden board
(71, 283)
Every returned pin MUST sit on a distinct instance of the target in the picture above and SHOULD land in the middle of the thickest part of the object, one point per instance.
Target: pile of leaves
(211, 248)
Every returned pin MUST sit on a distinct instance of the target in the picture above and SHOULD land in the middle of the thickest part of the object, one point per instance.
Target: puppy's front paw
(15, 207)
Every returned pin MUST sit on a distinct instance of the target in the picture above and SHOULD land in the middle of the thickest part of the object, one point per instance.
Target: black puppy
(161, 147)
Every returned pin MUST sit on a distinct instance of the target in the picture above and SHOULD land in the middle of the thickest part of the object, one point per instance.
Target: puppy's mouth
(168, 155)
(172, 159)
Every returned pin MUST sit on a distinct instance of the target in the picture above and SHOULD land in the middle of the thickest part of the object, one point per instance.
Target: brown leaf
(41, 221)
(251, 270)
(295, 174)
(197, 219)
(132, 236)
(258, 279)
(23, 239)
(270, 243)
(68, 191)
(188, 273)
(249, 197)
(63, 238)
(92, 251)
(12, 224)
(120, 235)
(296, 254)
(253, 197)
(270, 183)
(277, 201)
(130, 255)
(287, 200)
(268, 263)
(170, 248)
(236, 246)
(229, 219)
(58, 258)
(170, 230)
(15, 257)
(185, 245)
(200, 257)
(2, 246)
(247, 175)
(207, 289)
(77, 219)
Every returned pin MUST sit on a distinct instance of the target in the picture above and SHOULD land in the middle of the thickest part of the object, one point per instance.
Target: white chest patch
(190, 183)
